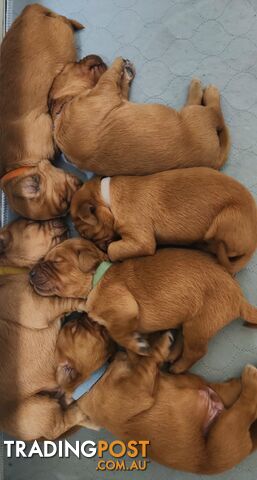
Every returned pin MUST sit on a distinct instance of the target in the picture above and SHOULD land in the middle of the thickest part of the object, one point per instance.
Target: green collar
(100, 271)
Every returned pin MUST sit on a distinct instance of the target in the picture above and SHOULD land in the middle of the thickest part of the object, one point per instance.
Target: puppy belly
(213, 406)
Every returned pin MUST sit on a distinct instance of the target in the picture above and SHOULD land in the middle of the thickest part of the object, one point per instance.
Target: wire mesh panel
(6, 20)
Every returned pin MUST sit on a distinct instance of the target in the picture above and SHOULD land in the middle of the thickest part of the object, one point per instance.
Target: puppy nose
(32, 273)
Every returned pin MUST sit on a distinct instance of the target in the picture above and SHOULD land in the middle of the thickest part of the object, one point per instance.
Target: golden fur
(176, 413)
(171, 289)
(179, 207)
(35, 49)
(29, 326)
(99, 130)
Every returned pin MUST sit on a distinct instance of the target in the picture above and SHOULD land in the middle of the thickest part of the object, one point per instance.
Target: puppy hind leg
(146, 368)
(229, 439)
(228, 237)
(249, 313)
(211, 97)
(177, 347)
(194, 347)
(195, 93)
(123, 322)
(228, 391)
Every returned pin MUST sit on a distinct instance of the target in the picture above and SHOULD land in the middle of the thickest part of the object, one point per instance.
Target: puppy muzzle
(39, 278)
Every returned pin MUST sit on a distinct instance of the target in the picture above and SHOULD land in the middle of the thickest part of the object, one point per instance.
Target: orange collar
(13, 174)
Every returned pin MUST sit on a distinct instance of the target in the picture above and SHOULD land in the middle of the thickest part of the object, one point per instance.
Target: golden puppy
(29, 406)
(191, 424)
(171, 289)
(35, 49)
(130, 215)
(99, 130)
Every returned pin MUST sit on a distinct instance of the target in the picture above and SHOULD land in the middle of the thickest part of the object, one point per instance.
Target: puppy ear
(89, 259)
(86, 213)
(66, 374)
(5, 238)
(76, 25)
(28, 187)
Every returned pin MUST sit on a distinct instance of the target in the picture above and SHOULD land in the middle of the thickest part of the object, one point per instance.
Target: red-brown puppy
(98, 129)
(173, 288)
(35, 49)
(130, 215)
(29, 326)
(191, 424)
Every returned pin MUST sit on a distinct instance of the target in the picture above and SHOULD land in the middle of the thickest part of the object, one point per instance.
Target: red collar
(13, 174)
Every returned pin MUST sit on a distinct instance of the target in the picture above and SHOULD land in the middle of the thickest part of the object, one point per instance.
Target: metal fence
(6, 9)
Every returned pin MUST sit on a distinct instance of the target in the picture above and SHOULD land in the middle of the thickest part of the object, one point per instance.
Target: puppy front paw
(129, 70)
(142, 345)
(249, 379)
(136, 343)
(162, 347)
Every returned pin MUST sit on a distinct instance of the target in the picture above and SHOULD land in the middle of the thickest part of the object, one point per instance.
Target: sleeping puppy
(29, 326)
(99, 130)
(130, 215)
(191, 424)
(35, 49)
(173, 288)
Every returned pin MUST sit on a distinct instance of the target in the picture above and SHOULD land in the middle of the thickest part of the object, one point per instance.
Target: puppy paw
(249, 379)
(142, 346)
(195, 92)
(129, 70)
(163, 346)
(177, 367)
(196, 84)
(211, 95)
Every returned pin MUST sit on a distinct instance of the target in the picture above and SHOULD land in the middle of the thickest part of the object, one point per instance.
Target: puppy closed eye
(87, 213)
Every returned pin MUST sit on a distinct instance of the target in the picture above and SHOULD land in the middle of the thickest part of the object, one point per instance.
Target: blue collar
(89, 383)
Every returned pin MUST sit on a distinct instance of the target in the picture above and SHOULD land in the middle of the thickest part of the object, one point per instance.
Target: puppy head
(82, 347)
(25, 242)
(67, 270)
(41, 193)
(74, 79)
(91, 216)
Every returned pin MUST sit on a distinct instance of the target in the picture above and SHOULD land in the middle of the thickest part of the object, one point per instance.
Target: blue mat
(170, 42)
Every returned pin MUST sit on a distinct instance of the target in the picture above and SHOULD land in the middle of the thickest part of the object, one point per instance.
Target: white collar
(105, 190)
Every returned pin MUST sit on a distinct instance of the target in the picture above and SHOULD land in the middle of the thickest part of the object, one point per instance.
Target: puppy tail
(75, 24)
(249, 314)
(232, 264)
(225, 143)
